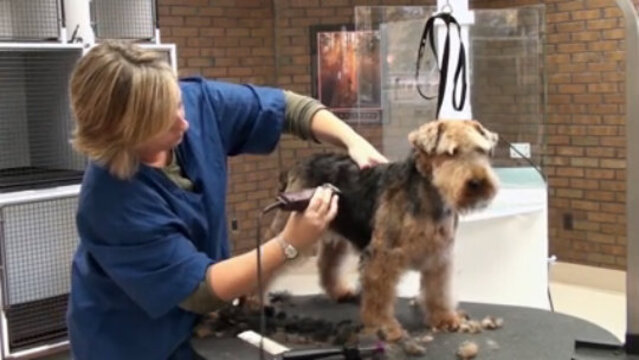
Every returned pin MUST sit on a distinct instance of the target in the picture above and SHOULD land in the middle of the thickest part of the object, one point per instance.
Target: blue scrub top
(145, 243)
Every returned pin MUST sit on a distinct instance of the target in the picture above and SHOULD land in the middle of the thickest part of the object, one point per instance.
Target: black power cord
(260, 282)
(528, 159)
(292, 201)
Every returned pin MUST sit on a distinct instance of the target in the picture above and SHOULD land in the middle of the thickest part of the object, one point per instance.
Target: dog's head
(455, 156)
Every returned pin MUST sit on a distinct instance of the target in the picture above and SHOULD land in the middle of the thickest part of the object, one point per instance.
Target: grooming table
(526, 334)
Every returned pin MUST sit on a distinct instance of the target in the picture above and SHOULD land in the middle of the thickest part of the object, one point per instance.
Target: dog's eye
(481, 150)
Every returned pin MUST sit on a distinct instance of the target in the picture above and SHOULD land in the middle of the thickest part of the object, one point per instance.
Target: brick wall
(267, 42)
(231, 40)
(586, 153)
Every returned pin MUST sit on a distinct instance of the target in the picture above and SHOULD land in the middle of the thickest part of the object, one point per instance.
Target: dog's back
(361, 190)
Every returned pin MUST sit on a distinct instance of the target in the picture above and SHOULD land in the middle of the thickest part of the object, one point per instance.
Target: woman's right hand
(304, 228)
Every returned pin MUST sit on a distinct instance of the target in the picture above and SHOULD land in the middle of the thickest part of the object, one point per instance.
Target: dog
(401, 216)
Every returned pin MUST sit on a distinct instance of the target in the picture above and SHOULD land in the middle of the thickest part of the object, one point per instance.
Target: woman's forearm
(330, 129)
(307, 118)
(237, 276)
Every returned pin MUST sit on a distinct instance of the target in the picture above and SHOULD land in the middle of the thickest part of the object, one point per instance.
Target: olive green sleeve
(300, 110)
(203, 300)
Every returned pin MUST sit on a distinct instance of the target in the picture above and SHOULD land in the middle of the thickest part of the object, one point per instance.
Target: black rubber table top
(526, 334)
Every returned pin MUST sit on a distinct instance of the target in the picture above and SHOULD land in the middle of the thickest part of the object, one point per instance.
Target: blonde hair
(121, 95)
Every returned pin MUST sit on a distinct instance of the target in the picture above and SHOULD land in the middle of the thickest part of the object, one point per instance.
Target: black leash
(429, 36)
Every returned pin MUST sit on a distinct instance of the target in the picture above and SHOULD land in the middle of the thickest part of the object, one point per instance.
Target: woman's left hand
(328, 128)
(364, 154)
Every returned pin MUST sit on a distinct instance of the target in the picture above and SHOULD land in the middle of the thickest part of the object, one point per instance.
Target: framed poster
(345, 72)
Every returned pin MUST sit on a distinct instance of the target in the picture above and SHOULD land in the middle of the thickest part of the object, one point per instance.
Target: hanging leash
(428, 36)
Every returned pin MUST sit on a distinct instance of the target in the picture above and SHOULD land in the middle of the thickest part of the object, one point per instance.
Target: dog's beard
(479, 205)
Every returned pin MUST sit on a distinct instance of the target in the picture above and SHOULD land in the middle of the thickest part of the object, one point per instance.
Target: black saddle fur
(362, 190)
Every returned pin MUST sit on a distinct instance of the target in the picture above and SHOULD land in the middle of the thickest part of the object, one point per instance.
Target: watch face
(290, 252)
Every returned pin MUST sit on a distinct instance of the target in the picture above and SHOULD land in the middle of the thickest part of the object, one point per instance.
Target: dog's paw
(345, 294)
(348, 296)
(445, 321)
(392, 331)
(389, 331)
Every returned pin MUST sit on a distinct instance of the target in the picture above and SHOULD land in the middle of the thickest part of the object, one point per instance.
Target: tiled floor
(594, 294)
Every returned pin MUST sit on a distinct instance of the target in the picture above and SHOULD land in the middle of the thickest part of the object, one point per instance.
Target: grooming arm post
(632, 174)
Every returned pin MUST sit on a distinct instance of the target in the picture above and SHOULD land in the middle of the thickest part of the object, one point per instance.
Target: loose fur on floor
(401, 216)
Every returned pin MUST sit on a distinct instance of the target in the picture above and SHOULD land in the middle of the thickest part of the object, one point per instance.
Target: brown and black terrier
(402, 216)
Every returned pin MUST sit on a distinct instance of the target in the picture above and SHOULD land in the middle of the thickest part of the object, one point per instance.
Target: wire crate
(166, 51)
(38, 238)
(30, 20)
(124, 19)
(35, 119)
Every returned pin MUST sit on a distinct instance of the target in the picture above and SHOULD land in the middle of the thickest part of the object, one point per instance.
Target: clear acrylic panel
(505, 71)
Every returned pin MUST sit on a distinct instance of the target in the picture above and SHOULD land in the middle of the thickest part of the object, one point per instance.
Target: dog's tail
(293, 179)
(283, 180)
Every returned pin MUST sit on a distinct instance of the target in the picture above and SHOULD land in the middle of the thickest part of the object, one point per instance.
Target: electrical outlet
(523, 148)
(569, 221)
(235, 228)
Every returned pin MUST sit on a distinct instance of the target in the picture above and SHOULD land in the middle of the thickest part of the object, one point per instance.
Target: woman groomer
(153, 250)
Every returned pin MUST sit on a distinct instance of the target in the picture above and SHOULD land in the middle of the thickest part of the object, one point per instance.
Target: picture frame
(346, 72)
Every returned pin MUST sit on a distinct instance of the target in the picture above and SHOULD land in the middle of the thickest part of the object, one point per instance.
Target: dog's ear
(431, 139)
(491, 137)
(426, 138)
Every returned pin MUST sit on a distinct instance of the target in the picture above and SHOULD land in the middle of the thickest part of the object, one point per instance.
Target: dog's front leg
(437, 293)
(332, 252)
(380, 272)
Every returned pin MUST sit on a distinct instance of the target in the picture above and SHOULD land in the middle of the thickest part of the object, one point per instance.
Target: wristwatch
(290, 252)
